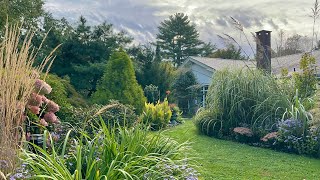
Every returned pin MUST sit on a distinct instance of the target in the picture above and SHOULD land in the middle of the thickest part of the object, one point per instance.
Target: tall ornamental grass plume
(17, 79)
(243, 98)
(112, 153)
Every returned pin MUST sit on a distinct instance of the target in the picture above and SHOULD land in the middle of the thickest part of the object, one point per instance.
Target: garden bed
(220, 159)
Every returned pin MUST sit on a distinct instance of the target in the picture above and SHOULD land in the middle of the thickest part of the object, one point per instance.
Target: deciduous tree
(16, 10)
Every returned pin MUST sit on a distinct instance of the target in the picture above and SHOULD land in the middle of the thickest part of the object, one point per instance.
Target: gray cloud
(275, 26)
(222, 22)
(140, 18)
(134, 17)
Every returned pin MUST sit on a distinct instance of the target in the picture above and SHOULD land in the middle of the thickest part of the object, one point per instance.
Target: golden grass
(17, 77)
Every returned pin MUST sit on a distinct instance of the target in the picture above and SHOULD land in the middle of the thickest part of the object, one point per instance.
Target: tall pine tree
(119, 83)
(179, 38)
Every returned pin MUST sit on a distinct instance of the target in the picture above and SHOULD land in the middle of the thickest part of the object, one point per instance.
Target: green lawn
(219, 159)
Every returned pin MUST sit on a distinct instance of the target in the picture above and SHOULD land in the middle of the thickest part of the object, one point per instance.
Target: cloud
(128, 15)
(140, 18)
(222, 22)
(275, 26)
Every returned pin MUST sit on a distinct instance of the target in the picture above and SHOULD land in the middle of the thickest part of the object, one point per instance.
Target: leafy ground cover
(220, 159)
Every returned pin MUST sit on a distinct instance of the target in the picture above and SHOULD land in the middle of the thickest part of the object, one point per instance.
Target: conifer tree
(179, 38)
(119, 83)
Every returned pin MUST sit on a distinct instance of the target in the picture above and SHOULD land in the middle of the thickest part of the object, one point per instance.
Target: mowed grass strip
(220, 159)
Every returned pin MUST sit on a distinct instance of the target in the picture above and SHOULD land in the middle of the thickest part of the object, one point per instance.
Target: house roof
(291, 62)
(219, 64)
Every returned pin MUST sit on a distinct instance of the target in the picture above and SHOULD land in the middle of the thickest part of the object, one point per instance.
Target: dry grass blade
(17, 78)
(237, 24)
(239, 46)
(226, 41)
(315, 15)
(315, 10)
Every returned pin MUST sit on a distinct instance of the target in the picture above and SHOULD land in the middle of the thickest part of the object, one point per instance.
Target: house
(204, 68)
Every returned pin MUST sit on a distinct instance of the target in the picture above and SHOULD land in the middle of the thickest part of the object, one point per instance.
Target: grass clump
(243, 98)
(17, 79)
(110, 153)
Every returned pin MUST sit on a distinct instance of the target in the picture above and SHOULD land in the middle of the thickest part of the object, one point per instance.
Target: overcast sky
(140, 18)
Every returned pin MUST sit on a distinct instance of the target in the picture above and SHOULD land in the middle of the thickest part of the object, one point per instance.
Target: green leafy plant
(306, 81)
(59, 95)
(152, 93)
(298, 132)
(207, 123)
(185, 88)
(156, 115)
(299, 112)
(294, 137)
(110, 153)
(176, 114)
(114, 113)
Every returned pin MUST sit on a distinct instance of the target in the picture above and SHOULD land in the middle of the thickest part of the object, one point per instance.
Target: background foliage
(186, 90)
(16, 10)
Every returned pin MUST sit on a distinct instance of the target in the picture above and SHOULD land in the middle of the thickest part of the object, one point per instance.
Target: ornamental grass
(17, 79)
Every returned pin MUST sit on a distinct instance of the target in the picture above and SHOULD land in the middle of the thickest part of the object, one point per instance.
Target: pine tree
(119, 83)
(230, 52)
(179, 38)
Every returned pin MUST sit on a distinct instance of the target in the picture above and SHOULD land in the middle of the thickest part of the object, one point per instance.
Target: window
(204, 94)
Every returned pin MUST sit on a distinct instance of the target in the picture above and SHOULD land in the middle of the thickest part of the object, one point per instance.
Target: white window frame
(204, 91)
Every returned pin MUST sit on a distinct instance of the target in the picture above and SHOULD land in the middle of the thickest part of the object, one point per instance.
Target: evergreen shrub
(119, 83)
